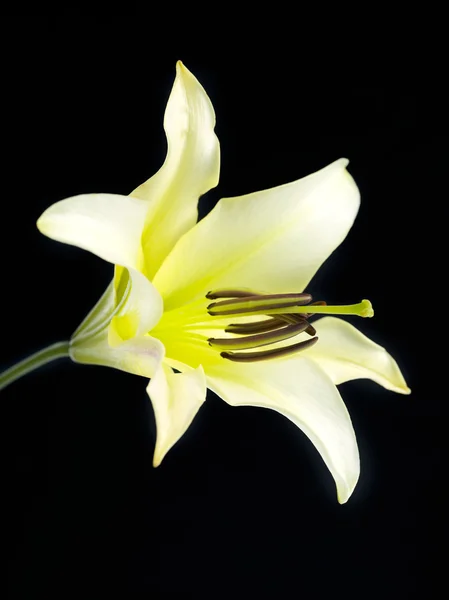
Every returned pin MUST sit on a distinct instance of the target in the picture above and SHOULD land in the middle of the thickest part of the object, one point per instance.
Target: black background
(243, 505)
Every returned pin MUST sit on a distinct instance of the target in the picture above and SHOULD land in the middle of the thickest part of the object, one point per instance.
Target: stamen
(311, 330)
(299, 319)
(258, 326)
(287, 314)
(262, 339)
(230, 294)
(288, 318)
(261, 304)
(268, 354)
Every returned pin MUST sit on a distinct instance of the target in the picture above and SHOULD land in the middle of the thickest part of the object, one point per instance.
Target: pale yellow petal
(108, 225)
(269, 241)
(114, 334)
(345, 354)
(191, 169)
(140, 355)
(100, 315)
(298, 389)
(139, 308)
(176, 399)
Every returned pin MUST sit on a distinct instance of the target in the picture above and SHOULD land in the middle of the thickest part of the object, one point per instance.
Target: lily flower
(221, 304)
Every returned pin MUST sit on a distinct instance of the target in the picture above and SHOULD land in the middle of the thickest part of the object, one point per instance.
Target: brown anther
(261, 303)
(290, 318)
(259, 339)
(256, 327)
(268, 354)
(212, 295)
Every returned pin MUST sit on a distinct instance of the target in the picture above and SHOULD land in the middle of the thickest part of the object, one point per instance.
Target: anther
(288, 318)
(268, 354)
(257, 326)
(261, 303)
(261, 339)
(229, 294)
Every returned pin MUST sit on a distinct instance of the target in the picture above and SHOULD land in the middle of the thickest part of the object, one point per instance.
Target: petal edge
(176, 399)
(191, 168)
(298, 389)
(108, 225)
(345, 353)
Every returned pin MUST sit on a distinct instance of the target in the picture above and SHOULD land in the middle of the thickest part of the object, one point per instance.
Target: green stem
(36, 360)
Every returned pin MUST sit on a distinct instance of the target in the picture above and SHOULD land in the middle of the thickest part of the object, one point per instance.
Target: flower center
(240, 322)
(287, 314)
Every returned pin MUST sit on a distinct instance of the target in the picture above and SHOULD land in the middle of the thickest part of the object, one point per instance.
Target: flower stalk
(35, 361)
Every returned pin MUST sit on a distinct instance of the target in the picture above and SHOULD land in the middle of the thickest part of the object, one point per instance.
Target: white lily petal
(176, 398)
(270, 241)
(191, 169)
(140, 355)
(298, 389)
(345, 354)
(109, 225)
(100, 314)
(114, 332)
(139, 307)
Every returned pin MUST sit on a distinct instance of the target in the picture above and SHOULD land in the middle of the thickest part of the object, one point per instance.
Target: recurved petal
(176, 398)
(139, 307)
(99, 316)
(270, 241)
(301, 391)
(345, 354)
(140, 355)
(109, 225)
(191, 168)
(114, 334)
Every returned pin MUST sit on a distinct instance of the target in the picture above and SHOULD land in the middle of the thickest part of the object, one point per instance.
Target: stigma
(284, 316)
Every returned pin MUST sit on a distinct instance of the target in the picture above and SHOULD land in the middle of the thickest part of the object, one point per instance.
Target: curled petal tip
(181, 69)
(346, 489)
(342, 498)
(40, 224)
